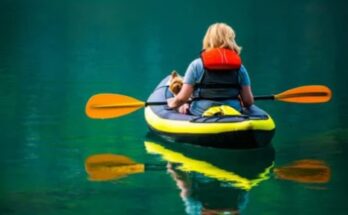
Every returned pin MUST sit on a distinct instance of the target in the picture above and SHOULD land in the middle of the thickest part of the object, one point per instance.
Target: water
(54, 55)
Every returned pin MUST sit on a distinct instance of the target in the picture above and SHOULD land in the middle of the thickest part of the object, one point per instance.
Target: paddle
(106, 167)
(107, 105)
(304, 94)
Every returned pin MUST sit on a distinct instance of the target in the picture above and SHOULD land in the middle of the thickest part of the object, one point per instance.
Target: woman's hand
(179, 101)
(184, 109)
(171, 102)
(247, 96)
(181, 109)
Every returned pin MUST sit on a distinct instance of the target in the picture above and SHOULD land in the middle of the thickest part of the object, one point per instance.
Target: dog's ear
(174, 74)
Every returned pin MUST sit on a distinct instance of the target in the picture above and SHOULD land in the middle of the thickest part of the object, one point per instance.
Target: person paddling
(217, 77)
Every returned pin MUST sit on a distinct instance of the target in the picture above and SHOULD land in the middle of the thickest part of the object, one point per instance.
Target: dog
(175, 83)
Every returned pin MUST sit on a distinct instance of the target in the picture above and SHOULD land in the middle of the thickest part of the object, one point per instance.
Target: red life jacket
(221, 59)
(220, 79)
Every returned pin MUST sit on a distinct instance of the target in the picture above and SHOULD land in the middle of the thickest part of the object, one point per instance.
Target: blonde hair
(220, 35)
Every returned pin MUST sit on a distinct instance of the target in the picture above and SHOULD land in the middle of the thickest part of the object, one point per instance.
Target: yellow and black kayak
(252, 128)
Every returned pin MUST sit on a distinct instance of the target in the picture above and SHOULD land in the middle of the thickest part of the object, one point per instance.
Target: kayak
(252, 128)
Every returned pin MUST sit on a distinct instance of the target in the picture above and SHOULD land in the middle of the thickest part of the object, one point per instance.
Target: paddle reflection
(210, 180)
(108, 167)
(305, 171)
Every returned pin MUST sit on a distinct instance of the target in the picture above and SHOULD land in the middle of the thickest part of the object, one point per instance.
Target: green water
(55, 54)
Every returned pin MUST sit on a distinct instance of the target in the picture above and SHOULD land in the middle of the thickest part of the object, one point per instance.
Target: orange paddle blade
(305, 171)
(306, 94)
(104, 167)
(107, 105)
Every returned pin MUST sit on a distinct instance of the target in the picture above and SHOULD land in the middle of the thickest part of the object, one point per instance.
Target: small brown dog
(175, 83)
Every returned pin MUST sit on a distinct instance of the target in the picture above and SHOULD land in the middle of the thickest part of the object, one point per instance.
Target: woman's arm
(247, 96)
(183, 96)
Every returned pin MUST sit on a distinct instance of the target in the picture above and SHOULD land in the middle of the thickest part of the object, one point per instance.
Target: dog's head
(175, 83)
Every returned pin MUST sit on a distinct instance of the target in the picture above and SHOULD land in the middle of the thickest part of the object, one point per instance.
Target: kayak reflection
(212, 180)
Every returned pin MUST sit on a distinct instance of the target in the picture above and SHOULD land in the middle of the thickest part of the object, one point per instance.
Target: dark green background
(55, 54)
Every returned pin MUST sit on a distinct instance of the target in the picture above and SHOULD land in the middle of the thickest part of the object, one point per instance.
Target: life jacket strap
(216, 86)
(215, 98)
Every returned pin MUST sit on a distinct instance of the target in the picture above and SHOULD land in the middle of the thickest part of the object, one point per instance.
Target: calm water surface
(54, 55)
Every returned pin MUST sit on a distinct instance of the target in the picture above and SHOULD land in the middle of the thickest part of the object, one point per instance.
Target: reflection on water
(213, 180)
(203, 194)
(210, 180)
(106, 167)
(305, 171)
(219, 164)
